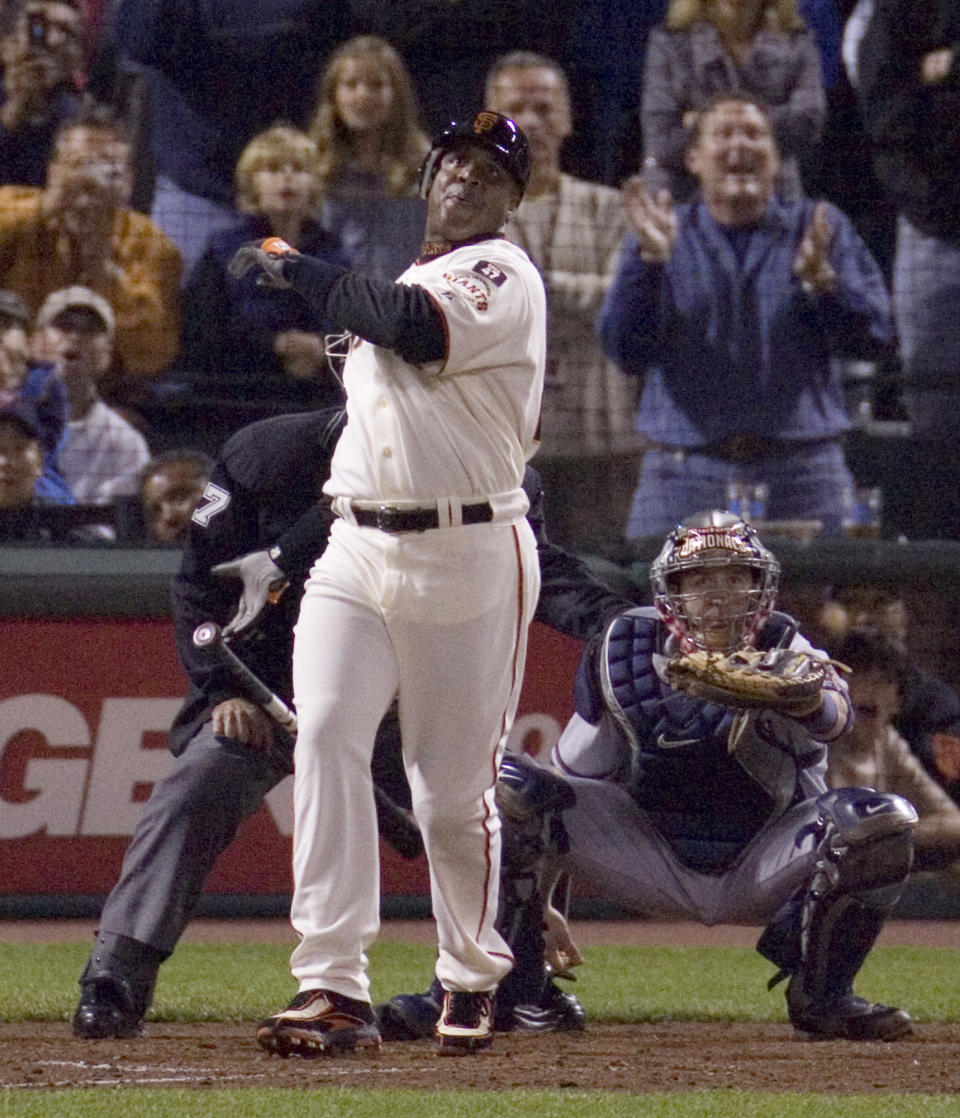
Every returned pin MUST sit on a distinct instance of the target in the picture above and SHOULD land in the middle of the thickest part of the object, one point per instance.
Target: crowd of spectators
(143, 141)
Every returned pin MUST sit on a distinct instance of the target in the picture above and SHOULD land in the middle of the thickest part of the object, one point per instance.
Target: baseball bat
(209, 637)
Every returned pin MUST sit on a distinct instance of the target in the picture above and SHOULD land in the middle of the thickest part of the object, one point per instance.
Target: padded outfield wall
(90, 681)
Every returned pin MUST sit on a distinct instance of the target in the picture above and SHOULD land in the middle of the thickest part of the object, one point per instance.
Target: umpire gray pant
(190, 818)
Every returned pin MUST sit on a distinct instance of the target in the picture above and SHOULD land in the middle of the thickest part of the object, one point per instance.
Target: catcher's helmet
(495, 133)
(714, 539)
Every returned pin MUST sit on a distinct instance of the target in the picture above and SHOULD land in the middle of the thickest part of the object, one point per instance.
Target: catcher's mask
(495, 133)
(707, 542)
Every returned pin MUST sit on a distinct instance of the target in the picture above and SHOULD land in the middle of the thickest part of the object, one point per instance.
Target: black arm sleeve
(396, 316)
(199, 596)
(303, 541)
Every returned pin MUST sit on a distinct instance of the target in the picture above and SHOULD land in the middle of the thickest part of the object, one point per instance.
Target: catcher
(716, 809)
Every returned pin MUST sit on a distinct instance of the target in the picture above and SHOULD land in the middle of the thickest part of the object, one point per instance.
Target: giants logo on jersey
(475, 289)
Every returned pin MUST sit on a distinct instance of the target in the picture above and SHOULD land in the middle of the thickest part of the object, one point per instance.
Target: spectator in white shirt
(104, 453)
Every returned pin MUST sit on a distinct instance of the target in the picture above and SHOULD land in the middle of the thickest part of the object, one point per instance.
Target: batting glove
(263, 582)
(267, 255)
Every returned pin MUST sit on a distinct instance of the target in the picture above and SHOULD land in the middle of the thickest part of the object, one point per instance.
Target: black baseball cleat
(109, 1007)
(410, 1016)
(414, 1016)
(319, 1023)
(556, 1012)
(466, 1023)
(847, 1017)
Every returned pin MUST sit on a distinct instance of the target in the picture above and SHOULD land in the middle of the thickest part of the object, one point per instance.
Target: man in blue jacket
(732, 308)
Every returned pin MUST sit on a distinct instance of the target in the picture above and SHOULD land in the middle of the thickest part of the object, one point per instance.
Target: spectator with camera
(41, 52)
(78, 229)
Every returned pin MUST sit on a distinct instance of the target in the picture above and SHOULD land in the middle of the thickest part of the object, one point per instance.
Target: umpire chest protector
(708, 777)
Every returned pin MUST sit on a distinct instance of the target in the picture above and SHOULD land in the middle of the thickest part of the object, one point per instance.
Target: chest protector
(708, 777)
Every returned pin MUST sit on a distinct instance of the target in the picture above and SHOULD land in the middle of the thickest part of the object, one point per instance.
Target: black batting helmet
(494, 133)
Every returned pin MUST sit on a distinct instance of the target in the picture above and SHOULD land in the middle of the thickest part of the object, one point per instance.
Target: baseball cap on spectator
(24, 413)
(82, 305)
(13, 309)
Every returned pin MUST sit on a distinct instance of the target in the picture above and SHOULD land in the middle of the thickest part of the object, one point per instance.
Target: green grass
(349, 1103)
(243, 982)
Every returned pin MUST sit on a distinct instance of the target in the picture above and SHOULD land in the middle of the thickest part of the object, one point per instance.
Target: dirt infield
(663, 1056)
(668, 1056)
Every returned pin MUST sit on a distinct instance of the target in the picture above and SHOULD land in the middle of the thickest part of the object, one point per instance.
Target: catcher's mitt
(779, 679)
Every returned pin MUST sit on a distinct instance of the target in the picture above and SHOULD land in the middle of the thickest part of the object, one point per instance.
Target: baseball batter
(424, 591)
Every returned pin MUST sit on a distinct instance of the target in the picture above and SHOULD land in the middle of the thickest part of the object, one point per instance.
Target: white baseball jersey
(465, 427)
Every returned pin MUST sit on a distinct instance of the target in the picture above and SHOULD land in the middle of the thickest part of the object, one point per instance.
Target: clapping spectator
(707, 47)
(235, 330)
(731, 309)
(79, 230)
(103, 453)
(42, 54)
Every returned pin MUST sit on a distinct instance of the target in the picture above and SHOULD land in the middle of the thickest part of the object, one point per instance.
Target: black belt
(745, 450)
(390, 519)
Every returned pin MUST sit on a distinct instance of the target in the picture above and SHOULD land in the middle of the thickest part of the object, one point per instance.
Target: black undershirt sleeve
(396, 316)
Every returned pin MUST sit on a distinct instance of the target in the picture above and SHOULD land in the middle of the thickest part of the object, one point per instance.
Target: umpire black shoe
(109, 1007)
(847, 1017)
(466, 1023)
(320, 1023)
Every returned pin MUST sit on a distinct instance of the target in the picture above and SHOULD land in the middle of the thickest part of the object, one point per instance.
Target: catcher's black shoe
(410, 1016)
(109, 1007)
(847, 1017)
(319, 1023)
(556, 1012)
(466, 1023)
